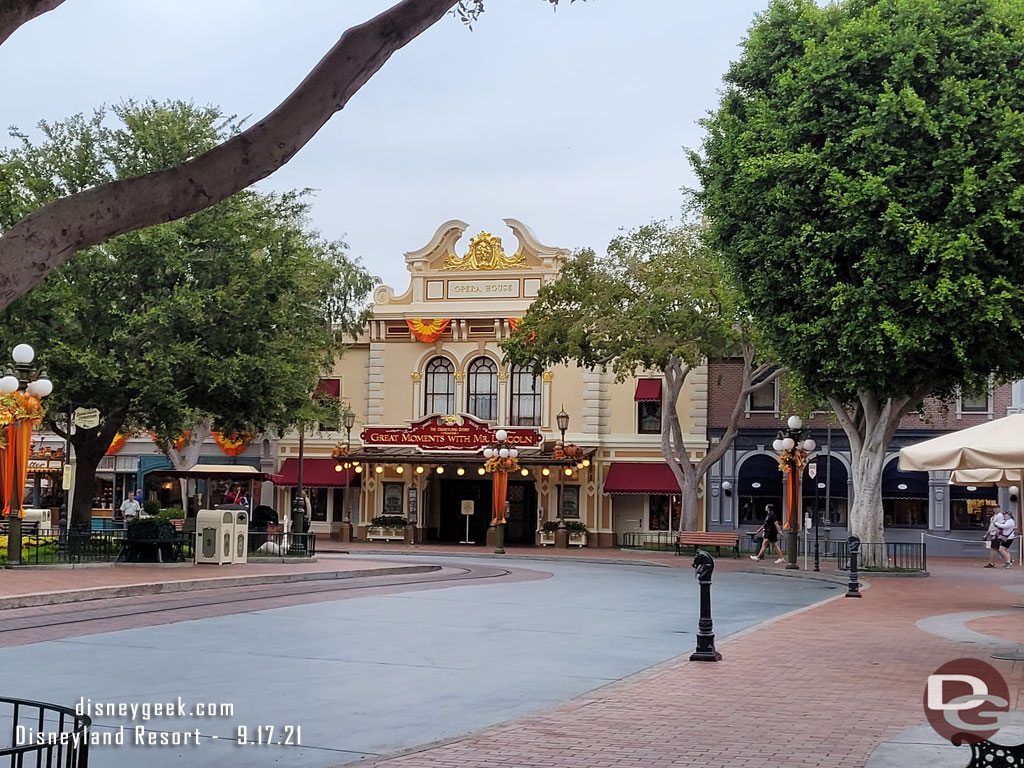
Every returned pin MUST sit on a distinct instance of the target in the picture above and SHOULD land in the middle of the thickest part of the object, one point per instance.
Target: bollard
(705, 566)
(854, 547)
(62, 532)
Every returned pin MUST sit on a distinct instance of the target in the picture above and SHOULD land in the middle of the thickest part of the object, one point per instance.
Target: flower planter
(385, 534)
(547, 539)
(577, 539)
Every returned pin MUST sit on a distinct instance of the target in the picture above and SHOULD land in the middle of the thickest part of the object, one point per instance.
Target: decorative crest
(704, 564)
(485, 254)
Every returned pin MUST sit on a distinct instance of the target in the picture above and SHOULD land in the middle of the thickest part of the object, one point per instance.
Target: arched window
(440, 390)
(525, 399)
(483, 389)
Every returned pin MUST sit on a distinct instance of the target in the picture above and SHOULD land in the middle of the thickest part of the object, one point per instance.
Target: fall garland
(428, 331)
(19, 406)
(232, 444)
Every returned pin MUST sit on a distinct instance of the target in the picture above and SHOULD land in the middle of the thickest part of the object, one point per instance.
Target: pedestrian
(130, 509)
(1007, 534)
(770, 529)
(139, 498)
(993, 536)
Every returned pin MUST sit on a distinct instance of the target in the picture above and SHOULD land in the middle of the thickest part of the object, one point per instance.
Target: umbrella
(987, 448)
(1003, 477)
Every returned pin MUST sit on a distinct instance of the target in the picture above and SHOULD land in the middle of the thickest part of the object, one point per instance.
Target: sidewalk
(821, 688)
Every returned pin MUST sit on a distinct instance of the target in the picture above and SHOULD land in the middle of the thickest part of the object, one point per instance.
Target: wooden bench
(708, 539)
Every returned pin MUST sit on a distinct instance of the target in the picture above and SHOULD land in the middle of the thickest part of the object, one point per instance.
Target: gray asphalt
(367, 676)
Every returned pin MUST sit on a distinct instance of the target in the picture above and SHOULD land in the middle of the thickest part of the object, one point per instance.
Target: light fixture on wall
(460, 471)
(440, 470)
(568, 471)
(727, 487)
(358, 468)
(481, 471)
(524, 472)
(419, 470)
(379, 469)
(545, 471)
(400, 469)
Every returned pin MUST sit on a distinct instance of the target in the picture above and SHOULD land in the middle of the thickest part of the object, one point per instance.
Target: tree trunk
(188, 456)
(90, 447)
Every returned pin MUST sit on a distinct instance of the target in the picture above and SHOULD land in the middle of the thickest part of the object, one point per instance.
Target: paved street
(370, 675)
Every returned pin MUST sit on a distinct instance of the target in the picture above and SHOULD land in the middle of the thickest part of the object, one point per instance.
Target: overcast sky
(573, 121)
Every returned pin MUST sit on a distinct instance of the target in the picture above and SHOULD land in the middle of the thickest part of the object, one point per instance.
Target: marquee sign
(447, 433)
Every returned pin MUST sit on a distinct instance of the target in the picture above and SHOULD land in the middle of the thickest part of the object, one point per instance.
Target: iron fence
(890, 556)
(265, 544)
(44, 735)
(657, 541)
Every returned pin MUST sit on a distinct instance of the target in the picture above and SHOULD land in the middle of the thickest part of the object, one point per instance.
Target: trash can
(215, 530)
(240, 552)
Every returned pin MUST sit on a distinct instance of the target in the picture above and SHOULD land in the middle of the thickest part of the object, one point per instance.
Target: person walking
(993, 536)
(1007, 534)
(770, 529)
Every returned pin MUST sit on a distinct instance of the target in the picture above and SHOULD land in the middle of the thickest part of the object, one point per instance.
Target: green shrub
(388, 521)
(151, 508)
(575, 526)
(549, 526)
(171, 513)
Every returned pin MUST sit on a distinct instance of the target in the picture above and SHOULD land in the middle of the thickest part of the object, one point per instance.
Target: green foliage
(151, 508)
(575, 526)
(549, 526)
(151, 529)
(863, 177)
(388, 521)
(232, 312)
(171, 513)
(659, 294)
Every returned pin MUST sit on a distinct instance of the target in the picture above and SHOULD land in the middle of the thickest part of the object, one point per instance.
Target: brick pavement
(819, 688)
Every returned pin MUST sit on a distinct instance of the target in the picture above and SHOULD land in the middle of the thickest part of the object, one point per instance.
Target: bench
(28, 528)
(708, 539)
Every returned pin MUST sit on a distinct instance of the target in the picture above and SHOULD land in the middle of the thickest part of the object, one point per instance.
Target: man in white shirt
(1007, 534)
(130, 509)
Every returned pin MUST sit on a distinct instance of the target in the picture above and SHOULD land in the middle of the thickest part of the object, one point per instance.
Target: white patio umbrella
(1002, 477)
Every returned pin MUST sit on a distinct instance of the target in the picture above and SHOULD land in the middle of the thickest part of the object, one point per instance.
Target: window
(328, 397)
(440, 392)
(393, 499)
(974, 403)
(648, 418)
(525, 410)
(317, 503)
(483, 389)
(763, 400)
(569, 497)
(663, 513)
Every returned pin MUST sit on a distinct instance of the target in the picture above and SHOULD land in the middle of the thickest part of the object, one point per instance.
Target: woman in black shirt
(770, 529)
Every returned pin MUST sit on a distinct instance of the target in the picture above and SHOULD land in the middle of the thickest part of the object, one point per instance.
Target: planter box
(547, 539)
(577, 539)
(385, 534)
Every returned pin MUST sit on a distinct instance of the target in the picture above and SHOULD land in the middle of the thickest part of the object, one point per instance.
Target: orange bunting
(117, 443)
(428, 331)
(500, 493)
(179, 442)
(514, 322)
(234, 443)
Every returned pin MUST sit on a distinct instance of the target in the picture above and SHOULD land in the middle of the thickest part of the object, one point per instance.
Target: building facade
(430, 365)
(917, 506)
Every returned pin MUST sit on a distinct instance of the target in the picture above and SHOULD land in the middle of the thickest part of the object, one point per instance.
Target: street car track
(34, 619)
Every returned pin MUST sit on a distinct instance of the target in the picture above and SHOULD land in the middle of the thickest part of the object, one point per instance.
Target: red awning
(636, 478)
(316, 473)
(648, 391)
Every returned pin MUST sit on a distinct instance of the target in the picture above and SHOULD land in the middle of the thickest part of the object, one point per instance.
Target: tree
(863, 178)
(225, 315)
(658, 301)
(46, 237)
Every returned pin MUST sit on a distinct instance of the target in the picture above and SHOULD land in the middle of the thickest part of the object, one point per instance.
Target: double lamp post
(793, 445)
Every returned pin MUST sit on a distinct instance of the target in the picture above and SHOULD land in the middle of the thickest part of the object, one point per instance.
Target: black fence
(44, 735)
(101, 547)
(263, 544)
(655, 541)
(891, 556)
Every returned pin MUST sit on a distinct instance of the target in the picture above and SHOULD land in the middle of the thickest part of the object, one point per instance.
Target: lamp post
(23, 388)
(793, 444)
(561, 535)
(502, 458)
(348, 420)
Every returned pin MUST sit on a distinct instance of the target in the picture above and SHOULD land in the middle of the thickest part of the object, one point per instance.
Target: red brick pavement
(821, 687)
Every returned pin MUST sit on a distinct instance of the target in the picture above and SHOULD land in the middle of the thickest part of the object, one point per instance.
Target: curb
(831, 578)
(491, 555)
(36, 599)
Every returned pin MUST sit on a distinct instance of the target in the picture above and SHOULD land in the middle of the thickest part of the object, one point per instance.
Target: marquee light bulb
(400, 469)
(460, 471)
(379, 469)
(545, 471)
(419, 470)
(440, 470)
(481, 471)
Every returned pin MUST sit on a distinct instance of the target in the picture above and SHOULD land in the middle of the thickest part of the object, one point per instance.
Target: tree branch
(51, 234)
(14, 13)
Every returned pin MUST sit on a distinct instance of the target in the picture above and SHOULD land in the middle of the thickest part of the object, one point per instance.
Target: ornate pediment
(485, 254)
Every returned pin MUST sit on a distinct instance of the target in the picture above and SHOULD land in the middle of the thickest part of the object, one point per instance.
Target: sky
(574, 121)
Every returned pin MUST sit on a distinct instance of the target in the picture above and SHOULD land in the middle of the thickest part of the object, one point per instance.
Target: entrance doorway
(452, 527)
(522, 513)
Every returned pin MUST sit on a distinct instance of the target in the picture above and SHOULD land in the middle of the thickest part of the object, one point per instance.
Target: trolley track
(35, 624)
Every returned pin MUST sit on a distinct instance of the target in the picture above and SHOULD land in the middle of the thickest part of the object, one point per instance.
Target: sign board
(812, 470)
(66, 483)
(483, 289)
(86, 418)
(468, 507)
(447, 433)
(412, 504)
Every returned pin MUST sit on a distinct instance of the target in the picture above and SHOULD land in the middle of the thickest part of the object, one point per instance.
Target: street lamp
(22, 389)
(561, 535)
(348, 420)
(502, 457)
(793, 444)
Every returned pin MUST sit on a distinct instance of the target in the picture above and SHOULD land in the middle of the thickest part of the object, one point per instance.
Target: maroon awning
(637, 478)
(648, 391)
(316, 473)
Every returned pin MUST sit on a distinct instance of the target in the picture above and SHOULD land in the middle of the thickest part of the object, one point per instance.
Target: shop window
(440, 387)
(525, 398)
(482, 377)
(764, 400)
(970, 514)
(317, 503)
(648, 418)
(663, 513)
(393, 499)
(905, 513)
(569, 498)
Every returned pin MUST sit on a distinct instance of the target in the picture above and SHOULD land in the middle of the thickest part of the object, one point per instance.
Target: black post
(853, 543)
(817, 514)
(705, 566)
